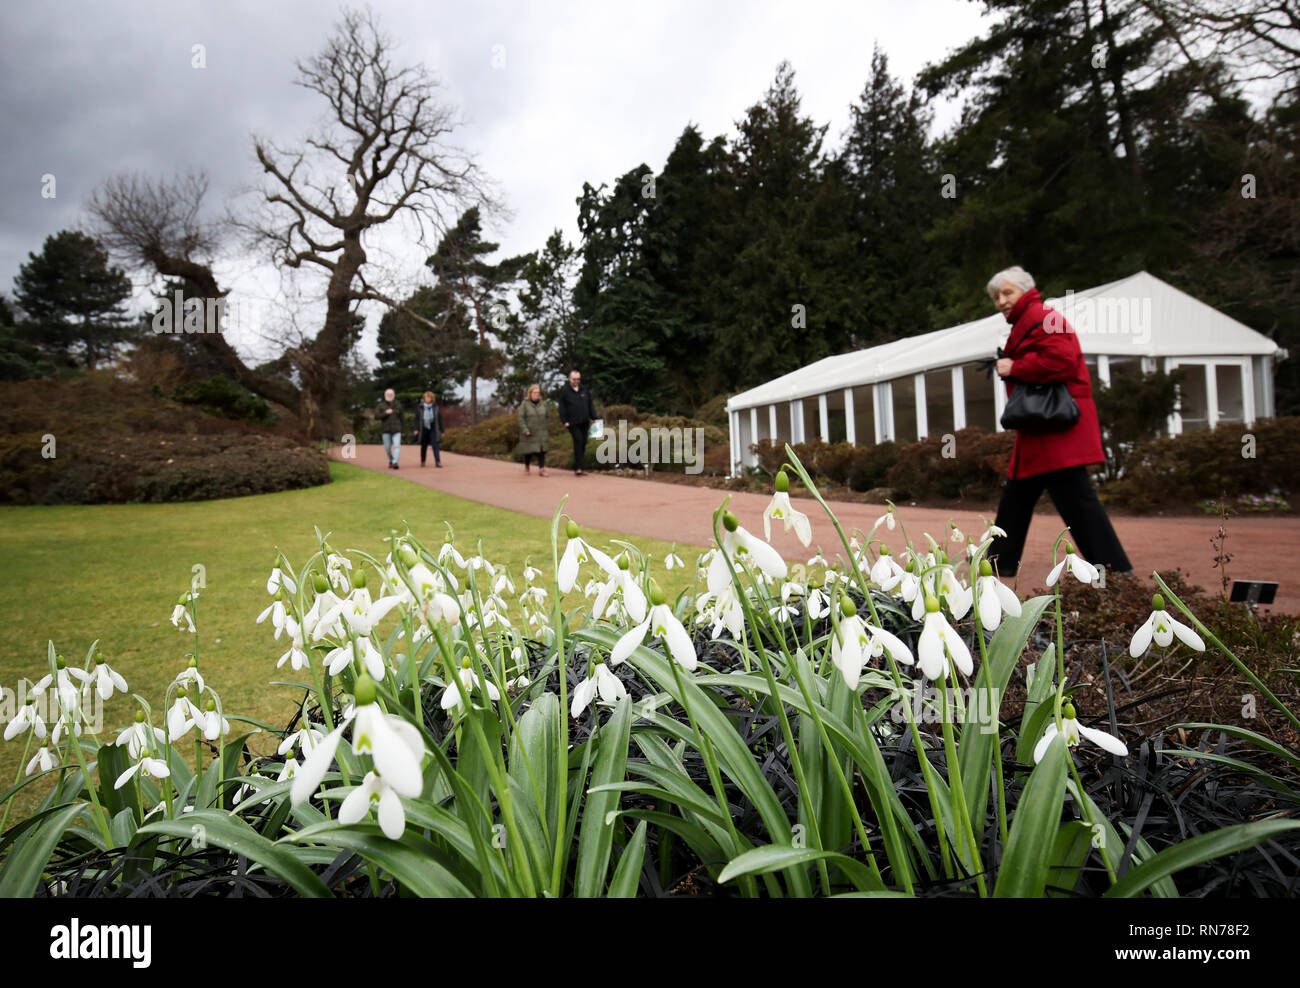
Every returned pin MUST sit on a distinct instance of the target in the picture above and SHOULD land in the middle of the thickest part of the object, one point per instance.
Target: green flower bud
(1069, 549)
(60, 662)
(1067, 711)
(407, 555)
(571, 528)
(210, 705)
(1157, 603)
(182, 693)
(847, 607)
(278, 596)
(782, 481)
(364, 692)
(931, 605)
(622, 561)
(464, 663)
(656, 595)
(194, 663)
(139, 716)
(319, 582)
(986, 568)
(183, 599)
(359, 579)
(729, 521)
(884, 550)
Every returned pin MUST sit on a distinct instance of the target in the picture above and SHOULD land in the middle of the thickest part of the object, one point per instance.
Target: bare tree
(381, 155)
(159, 226)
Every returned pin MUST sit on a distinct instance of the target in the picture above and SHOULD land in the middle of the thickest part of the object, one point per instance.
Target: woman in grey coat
(534, 429)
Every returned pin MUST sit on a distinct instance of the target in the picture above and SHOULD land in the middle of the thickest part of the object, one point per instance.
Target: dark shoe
(578, 472)
(438, 465)
(394, 466)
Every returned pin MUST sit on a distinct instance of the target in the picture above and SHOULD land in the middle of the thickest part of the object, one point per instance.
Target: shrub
(220, 396)
(975, 468)
(871, 468)
(1211, 463)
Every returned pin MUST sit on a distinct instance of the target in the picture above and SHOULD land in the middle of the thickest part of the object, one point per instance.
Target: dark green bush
(972, 464)
(220, 396)
(1228, 461)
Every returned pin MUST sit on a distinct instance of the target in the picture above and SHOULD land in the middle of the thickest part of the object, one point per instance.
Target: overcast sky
(587, 91)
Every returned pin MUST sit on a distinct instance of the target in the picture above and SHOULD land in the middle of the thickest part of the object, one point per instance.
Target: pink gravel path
(681, 513)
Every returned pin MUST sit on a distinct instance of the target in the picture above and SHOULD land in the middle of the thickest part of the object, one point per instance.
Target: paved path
(1262, 548)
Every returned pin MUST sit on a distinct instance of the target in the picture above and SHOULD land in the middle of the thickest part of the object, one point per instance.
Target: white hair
(1017, 275)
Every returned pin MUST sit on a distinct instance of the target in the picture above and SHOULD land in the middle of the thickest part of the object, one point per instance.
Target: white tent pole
(1211, 395)
(877, 419)
(1247, 393)
(958, 399)
(732, 440)
(753, 428)
(922, 421)
(850, 423)
(1103, 369)
(823, 419)
(771, 421)
(794, 424)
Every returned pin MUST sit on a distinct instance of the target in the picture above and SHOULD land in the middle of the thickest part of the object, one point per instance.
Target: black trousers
(1072, 493)
(427, 438)
(579, 433)
(541, 458)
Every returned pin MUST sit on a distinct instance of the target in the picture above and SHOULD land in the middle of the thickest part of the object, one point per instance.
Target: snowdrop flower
(633, 598)
(885, 572)
(672, 560)
(855, 642)
(296, 656)
(939, 642)
(28, 717)
(105, 681)
(394, 746)
(375, 793)
(214, 725)
(149, 765)
(190, 676)
(357, 610)
(182, 716)
(993, 531)
(276, 612)
(42, 761)
(334, 569)
(818, 603)
(955, 534)
(742, 546)
(280, 580)
(305, 738)
(289, 770)
(1162, 628)
(340, 658)
(819, 559)
(67, 691)
(601, 681)
(62, 725)
(326, 602)
(956, 594)
(531, 573)
(663, 624)
(577, 552)
(503, 583)
(448, 550)
(995, 598)
(1073, 731)
(887, 518)
(785, 611)
(139, 738)
(181, 613)
(1083, 570)
(781, 509)
(469, 682)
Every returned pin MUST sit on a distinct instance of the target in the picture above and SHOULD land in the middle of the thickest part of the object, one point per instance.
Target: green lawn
(113, 572)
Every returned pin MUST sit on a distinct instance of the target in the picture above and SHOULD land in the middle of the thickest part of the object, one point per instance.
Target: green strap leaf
(1196, 850)
(1024, 869)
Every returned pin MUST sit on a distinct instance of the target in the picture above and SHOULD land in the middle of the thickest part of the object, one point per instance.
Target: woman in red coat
(1042, 348)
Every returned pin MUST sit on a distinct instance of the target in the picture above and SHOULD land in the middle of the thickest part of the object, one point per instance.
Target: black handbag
(1040, 408)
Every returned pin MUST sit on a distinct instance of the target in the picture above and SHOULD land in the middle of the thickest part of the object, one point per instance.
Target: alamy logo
(94, 942)
(1107, 316)
(652, 446)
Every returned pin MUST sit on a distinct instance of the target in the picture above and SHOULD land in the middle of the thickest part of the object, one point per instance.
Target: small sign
(1253, 592)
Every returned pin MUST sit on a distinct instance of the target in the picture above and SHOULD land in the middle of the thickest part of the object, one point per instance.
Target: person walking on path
(534, 429)
(1053, 461)
(389, 414)
(428, 428)
(576, 412)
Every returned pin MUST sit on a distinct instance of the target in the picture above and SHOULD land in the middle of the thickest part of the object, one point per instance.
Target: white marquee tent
(930, 384)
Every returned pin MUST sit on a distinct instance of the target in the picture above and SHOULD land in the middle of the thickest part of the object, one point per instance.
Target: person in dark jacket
(389, 414)
(534, 429)
(576, 412)
(1043, 348)
(428, 428)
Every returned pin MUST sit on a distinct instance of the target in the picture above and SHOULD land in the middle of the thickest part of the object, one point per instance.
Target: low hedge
(1224, 462)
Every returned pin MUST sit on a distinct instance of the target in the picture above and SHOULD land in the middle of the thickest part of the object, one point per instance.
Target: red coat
(1044, 349)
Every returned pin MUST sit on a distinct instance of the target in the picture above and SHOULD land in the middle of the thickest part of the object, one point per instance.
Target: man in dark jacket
(576, 412)
(389, 415)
